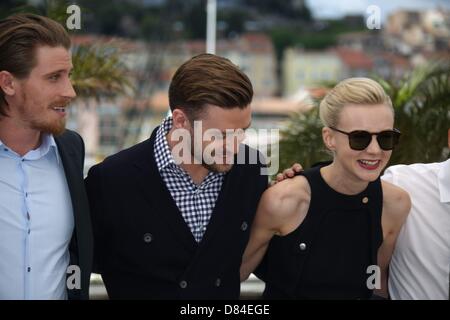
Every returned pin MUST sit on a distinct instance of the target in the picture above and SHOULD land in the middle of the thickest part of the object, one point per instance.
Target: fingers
(297, 167)
(278, 178)
(288, 173)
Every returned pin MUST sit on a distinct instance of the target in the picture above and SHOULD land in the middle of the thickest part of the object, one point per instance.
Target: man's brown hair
(20, 36)
(209, 79)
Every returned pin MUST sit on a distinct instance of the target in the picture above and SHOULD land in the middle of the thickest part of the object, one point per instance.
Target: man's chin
(218, 168)
(55, 129)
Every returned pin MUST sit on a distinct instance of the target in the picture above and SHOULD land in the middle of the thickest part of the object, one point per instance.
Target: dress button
(218, 282)
(148, 237)
(244, 226)
(365, 200)
(183, 284)
(302, 246)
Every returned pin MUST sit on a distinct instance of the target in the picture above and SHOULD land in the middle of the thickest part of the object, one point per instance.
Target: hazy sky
(338, 8)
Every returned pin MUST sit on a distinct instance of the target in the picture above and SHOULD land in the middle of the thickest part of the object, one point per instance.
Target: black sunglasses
(360, 139)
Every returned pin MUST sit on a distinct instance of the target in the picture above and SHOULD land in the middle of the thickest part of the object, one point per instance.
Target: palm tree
(422, 113)
(98, 72)
(301, 140)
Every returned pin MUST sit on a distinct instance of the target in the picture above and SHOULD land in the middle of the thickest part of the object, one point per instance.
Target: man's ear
(7, 83)
(180, 119)
(328, 138)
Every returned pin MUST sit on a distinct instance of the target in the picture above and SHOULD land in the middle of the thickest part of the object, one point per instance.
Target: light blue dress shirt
(36, 223)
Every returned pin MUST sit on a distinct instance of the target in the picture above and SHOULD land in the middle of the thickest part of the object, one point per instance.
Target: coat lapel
(223, 206)
(67, 156)
(81, 242)
(226, 202)
(159, 196)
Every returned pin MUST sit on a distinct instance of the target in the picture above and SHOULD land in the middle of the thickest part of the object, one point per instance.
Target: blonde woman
(329, 232)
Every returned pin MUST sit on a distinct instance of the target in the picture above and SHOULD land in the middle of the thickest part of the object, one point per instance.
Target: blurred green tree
(301, 140)
(422, 113)
(98, 72)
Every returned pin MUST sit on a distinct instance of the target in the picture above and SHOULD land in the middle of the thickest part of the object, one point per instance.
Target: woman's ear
(328, 138)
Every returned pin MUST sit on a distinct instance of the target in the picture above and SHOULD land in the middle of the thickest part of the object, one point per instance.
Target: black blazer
(71, 150)
(143, 247)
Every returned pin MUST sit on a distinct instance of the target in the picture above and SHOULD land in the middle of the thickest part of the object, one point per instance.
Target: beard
(38, 121)
(219, 163)
(55, 128)
(212, 166)
(217, 168)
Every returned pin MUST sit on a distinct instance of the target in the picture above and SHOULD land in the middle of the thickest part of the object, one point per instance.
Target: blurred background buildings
(292, 50)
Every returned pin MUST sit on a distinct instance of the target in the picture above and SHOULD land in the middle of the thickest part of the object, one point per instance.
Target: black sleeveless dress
(327, 256)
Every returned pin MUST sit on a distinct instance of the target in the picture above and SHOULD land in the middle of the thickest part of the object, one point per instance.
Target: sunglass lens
(359, 140)
(388, 139)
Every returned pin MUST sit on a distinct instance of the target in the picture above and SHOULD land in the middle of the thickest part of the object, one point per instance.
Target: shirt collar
(444, 181)
(48, 144)
(48, 138)
(163, 155)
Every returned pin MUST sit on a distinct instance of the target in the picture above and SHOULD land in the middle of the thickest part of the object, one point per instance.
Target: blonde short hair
(363, 91)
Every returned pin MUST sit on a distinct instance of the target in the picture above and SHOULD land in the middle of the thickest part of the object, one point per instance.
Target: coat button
(183, 284)
(148, 237)
(302, 246)
(218, 282)
(244, 226)
(365, 200)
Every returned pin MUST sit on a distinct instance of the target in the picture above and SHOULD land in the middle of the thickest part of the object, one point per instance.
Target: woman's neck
(341, 181)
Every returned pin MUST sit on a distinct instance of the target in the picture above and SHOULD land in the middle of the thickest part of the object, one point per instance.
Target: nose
(69, 91)
(373, 147)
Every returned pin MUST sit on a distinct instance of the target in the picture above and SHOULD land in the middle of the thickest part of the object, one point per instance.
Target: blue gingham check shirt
(195, 202)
